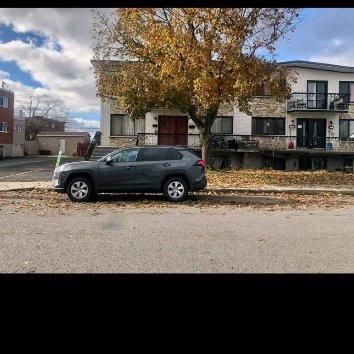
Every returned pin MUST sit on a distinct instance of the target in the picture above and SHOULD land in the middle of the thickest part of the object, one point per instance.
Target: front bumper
(59, 189)
(58, 183)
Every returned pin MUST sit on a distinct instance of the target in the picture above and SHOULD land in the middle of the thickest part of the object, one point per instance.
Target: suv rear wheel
(175, 189)
(80, 189)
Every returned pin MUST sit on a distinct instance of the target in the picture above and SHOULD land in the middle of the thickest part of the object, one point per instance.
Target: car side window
(129, 155)
(153, 154)
(173, 154)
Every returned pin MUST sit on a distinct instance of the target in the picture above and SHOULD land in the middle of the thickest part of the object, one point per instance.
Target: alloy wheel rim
(79, 189)
(175, 189)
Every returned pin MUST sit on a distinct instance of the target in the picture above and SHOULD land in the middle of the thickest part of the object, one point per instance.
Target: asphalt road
(179, 239)
(30, 168)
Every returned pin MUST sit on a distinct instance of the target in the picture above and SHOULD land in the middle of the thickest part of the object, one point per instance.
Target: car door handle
(129, 167)
(167, 164)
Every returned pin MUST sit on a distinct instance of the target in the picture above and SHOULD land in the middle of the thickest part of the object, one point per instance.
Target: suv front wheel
(79, 189)
(175, 189)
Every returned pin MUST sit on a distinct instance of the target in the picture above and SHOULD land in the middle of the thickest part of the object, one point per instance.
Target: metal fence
(250, 143)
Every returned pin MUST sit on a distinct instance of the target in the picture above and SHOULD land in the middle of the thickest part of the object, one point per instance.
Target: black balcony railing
(252, 143)
(318, 101)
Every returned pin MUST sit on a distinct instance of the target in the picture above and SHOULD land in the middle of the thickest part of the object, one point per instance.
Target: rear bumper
(198, 186)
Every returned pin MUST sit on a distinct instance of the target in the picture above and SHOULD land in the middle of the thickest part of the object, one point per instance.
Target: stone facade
(276, 143)
(122, 141)
(268, 107)
(346, 146)
(349, 115)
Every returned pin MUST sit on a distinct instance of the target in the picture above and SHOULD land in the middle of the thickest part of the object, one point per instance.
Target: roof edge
(317, 66)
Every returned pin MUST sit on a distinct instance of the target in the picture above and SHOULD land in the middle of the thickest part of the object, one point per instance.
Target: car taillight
(200, 163)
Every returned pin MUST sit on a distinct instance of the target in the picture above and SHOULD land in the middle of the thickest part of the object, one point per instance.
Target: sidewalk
(14, 186)
(292, 190)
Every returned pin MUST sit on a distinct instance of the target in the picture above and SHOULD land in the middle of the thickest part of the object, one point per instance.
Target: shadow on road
(192, 198)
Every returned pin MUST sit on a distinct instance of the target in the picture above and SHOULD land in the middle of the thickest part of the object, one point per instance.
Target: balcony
(259, 143)
(318, 102)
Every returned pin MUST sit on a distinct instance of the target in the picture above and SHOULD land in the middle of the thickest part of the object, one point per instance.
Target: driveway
(25, 169)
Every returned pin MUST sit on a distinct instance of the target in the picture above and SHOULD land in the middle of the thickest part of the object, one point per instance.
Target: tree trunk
(205, 141)
(204, 125)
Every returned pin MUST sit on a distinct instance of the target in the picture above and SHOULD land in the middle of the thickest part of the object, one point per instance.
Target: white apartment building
(314, 128)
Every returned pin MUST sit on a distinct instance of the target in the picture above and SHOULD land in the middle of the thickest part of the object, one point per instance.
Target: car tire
(175, 189)
(80, 189)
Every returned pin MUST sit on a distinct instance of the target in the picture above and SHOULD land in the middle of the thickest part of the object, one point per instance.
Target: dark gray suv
(172, 171)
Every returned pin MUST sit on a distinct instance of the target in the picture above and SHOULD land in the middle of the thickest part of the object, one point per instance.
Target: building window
(264, 90)
(275, 163)
(3, 127)
(346, 128)
(317, 94)
(18, 128)
(4, 102)
(223, 125)
(122, 125)
(268, 126)
(346, 88)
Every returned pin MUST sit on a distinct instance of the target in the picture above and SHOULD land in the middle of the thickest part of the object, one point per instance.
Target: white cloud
(66, 74)
(4, 75)
(79, 124)
(325, 35)
(346, 58)
(87, 123)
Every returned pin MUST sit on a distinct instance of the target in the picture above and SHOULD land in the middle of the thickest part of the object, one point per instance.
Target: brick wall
(7, 115)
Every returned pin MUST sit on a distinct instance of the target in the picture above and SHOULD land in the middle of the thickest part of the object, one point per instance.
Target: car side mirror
(109, 160)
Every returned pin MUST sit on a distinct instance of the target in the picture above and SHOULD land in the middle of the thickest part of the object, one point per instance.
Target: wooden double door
(173, 130)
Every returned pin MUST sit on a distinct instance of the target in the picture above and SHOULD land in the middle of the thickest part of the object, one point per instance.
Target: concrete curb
(307, 191)
(20, 186)
(285, 190)
(23, 189)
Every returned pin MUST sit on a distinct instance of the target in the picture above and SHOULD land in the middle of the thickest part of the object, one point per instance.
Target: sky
(49, 50)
